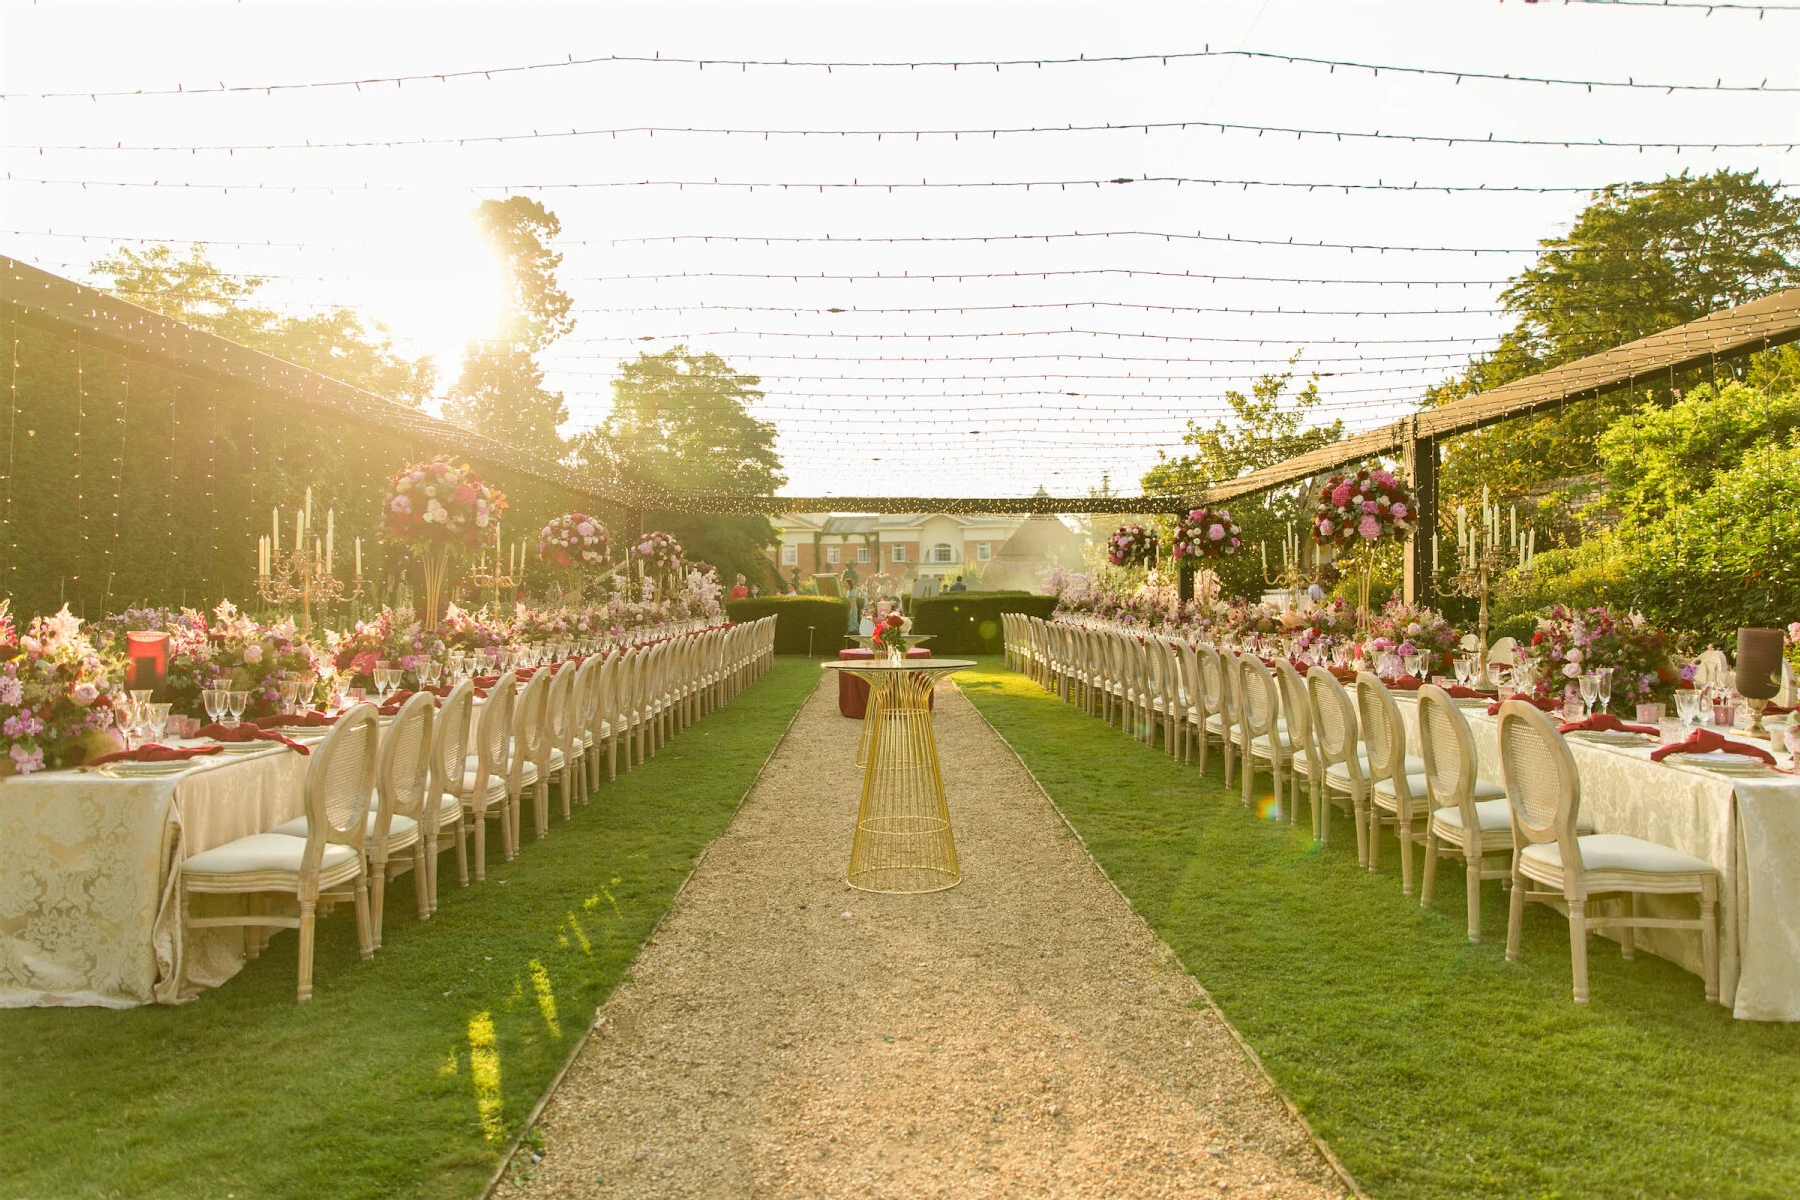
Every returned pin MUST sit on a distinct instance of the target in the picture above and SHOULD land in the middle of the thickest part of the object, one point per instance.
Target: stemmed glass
(1687, 706)
(216, 701)
(235, 707)
(1464, 669)
(156, 721)
(1415, 663)
(1590, 691)
(130, 718)
(1603, 686)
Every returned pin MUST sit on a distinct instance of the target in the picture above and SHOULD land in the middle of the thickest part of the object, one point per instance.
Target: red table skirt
(853, 693)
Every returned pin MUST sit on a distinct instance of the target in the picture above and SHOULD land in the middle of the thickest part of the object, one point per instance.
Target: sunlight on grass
(484, 1073)
(546, 998)
(580, 935)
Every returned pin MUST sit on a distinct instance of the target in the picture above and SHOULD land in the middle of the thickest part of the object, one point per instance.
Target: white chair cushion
(1339, 773)
(496, 787)
(1262, 743)
(556, 759)
(398, 827)
(1619, 852)
(262, 852)
(1493, 815)
(1416, 785)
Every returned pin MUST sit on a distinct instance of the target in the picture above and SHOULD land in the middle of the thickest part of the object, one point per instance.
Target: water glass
(235, 707)
(215, 700)
(1687, 706)
(1605, 675)
(1590, 691)
(1415, 665)
(157, 721)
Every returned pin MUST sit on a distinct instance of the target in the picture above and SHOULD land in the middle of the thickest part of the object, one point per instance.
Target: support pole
(1422, 472)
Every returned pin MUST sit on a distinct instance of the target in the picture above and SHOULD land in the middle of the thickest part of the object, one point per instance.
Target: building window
(831, 555)
(899, 553)
(942, 553)
(862, 554)
(790, 556)
(983, 551)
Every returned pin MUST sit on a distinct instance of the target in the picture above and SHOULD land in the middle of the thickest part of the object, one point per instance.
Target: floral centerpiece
(1353, 513)
(659, 552)
(573, 540)
(435, 510)
(55, 699)
(191, 667)
(1204, 533)
(254, 658)
(889, 637)
(1569, 642)
(1414, 629)
(1132, 546)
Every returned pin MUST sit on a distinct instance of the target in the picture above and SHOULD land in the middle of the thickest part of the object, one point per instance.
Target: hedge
(969, 622)
(829, 617)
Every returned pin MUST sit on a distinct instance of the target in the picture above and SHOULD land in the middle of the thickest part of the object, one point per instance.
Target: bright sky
(385, 228)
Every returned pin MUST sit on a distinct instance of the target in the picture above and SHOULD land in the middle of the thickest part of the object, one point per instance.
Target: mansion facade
(907, 546)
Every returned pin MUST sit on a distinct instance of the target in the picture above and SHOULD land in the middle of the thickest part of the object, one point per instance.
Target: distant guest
(956, 587)
(739, 591)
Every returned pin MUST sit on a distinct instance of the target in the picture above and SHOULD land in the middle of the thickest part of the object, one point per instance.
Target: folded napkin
(395, 702)
(1777, 710)
(1548, 706)
(306, 720)
(1457, 691)
(153, 753)
(1605, 723)
(1406, 683)
(1344, 674)
(1704, 741)
(247, 732)
(488, 681)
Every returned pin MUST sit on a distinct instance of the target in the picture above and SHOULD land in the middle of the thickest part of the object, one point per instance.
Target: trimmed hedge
(969, 622)
(828, 615)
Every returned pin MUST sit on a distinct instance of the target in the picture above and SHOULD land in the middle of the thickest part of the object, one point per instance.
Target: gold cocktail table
(903, 842)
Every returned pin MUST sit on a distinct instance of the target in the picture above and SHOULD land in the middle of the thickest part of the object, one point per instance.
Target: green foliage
(368, 1090)
(1641, 258)
(682, 421)
(827, 616)
(501, 390)
(1266, 427)
(969, 622)
(1432, 1067)
(1657, 459)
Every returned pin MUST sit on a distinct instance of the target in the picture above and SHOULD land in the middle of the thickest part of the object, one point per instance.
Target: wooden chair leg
(1627, 935)
(422, 881)
(1515, 918)
(365, 937)
(1404, 830)
(377, 882)
(1473, 884)
(462, 859)
(306, 950)
(480, 824)
(1429, 882)
(1578, 948)
(1709, 937)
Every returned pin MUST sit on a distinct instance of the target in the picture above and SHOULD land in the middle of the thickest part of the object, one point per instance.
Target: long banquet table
(1747, 827)
(89, 868)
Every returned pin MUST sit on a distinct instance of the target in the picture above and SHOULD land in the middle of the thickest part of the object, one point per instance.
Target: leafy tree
(1640, 258)
(1265, 427)
(682, 422)
(501, 390)
(1657, 459)
(337, 342)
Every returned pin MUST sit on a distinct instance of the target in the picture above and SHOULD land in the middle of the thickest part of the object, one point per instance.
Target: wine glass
(1604, 686)
(1687, 706)
(129, 717)
(1415, 663)
(157, 721)
(1590, 691)
(235, 707)
(215, 700)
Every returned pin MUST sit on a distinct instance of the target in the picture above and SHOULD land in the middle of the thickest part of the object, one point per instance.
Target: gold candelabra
(1485, 560)
(1292, 575)
(485, 576)
(305, 572)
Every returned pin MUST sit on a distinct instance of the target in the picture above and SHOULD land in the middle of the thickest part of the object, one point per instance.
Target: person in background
(739, 591)
(957, 586)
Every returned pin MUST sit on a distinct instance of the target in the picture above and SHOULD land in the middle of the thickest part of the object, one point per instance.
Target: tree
(682, 422)
(336, 342)
(1640, 258)
(501, 390)
(1265, 427)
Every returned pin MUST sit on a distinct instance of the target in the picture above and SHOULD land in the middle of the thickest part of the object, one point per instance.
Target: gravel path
(1023, 1034)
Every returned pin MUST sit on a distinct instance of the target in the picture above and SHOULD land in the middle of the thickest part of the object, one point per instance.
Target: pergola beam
(777, 505)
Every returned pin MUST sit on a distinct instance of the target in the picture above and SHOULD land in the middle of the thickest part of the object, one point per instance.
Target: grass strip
(1431, 1066)
(406, 1075)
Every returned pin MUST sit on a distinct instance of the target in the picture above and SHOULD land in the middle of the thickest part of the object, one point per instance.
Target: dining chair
(1469, 816)
(556, 757)
(530, 752)
(1261, 732)
(484, 790)
(326, 865)
(585, 751)
(1543, 794)
(449, 751)
(1392, 782)
(1193, 715)
(1216, 670)
(1303, 755)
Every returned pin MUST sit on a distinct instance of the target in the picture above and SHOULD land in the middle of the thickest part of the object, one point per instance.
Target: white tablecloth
(1748, 828)
(89, 907)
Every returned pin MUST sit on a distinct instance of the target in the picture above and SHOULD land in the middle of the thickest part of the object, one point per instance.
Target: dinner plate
(301, 732)
(1724, 763)
(1480, 702)
(172, 767)
(243, 747)
(1610, 737)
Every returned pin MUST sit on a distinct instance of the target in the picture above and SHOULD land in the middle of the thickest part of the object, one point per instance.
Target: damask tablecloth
(89, 903)
(1748, 828)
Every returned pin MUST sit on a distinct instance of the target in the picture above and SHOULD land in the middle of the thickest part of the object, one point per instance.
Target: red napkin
(1406, 683)
(1344, 674)
(1457, 691)
(154, 753)
(247, 733)
(307, 720)
(1606, 722)
(488, 681)
(394, 703)
(1548, 706)
(1704, 741)
(1777, 710)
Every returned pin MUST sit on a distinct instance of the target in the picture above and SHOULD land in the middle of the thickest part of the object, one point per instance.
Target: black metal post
(1421, 560)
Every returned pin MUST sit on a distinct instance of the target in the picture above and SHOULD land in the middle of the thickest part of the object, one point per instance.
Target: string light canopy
(1158, 58)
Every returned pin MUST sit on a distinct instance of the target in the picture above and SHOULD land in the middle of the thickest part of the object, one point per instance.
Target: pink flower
(1369, 506)
(84, 694)
(1399, 511)
(1340, 495)
(1325, 526)
(645, 547)
(401, 504)
(1370, 528)
(1215, 532)
(465, 494)
(26, 761)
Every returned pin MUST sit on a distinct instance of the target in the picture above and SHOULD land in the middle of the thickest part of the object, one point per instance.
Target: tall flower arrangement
(1205, 533)
(1569, 642)
(1354, 513)
(573, 540)
(1132, 546)
(435, 510)
(55, 698)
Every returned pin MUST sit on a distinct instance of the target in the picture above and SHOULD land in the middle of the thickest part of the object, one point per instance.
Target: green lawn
(1433, 1067)
(406, 1075)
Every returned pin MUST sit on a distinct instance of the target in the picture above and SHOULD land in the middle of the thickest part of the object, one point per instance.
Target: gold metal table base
(903, 841)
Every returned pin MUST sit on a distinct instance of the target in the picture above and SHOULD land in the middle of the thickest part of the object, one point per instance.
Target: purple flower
(401, 504)
(26, 761)
(1325, 527)
(1399, 511)
(1370, 507)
